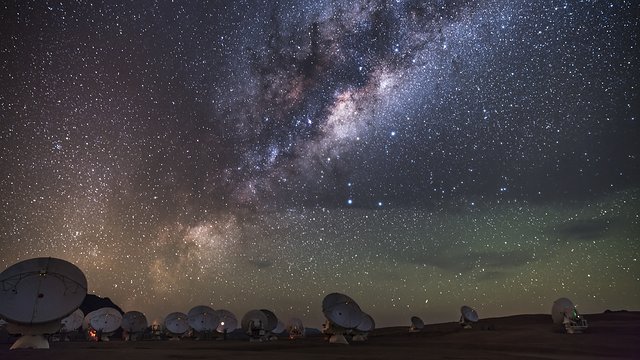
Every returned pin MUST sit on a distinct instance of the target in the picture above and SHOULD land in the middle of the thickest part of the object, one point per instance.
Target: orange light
(93, 335)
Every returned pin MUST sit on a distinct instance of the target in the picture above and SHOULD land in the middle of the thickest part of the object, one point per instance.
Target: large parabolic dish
(334, 299)
(469, 314)
(561, 307)
(72, 322)
(272, 320)
(417, 323)
(41, 290)
(176, 323)
(203, 318)
(106, 319)
(346, 315)
(255, 319)
(367, 324)
(134, 322)
(295, 324)
(280, 328)
(227, 319)
(342, 310)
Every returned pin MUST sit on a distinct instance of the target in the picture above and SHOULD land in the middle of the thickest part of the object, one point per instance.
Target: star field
(416, 155)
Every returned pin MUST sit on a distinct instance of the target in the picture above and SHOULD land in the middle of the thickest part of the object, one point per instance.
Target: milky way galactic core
(415, 155)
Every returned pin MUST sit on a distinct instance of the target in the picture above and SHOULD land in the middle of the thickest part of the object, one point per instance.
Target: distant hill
(93, 302)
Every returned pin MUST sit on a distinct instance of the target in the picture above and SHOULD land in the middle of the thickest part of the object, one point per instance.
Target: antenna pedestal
(575, 326)
(32, 335)
(338, 339)
(359, 337)
(31, 342)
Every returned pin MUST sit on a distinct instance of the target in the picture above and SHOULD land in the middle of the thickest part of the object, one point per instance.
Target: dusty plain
(611, 335)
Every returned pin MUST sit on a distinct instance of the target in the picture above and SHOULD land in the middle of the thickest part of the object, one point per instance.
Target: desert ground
(611, 335)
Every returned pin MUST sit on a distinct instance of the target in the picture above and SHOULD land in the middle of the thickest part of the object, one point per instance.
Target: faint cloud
(583, 230)
(464, 262)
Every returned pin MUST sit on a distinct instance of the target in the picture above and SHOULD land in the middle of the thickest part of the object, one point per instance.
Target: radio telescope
(416, 324)
(72, 322)
(362, 330)
(156, 328)
(203, 320)
(272, 320)
(280, 328)
(176, 325)
(36, 294)
(467, 316)
(295, 328)
(272, 325)
(564, 313)
(228, 321)
(255, 324)
(103, 323)
(344, 316)
(134, 324)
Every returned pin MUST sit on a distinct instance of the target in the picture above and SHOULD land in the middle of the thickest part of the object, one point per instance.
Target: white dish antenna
(203, 319)
(334, 299)
(280, 328)
(416, 324)
(560, 308)
(295, 328)
(134, 322)
(176, 323)
(346, 315)
(36, 294)
(564, 312)
(272, 320)
(228, 321)
(254, 319)
(40, 290)
(106, 320)
(294, 324)
(469, 314)
(367, 324)
(72, 322)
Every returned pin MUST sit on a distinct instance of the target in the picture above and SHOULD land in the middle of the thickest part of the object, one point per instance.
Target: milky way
(416, 155)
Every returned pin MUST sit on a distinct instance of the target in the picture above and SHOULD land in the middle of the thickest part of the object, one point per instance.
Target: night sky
(415, 155)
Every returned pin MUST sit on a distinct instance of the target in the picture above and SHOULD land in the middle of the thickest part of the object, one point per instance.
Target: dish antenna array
(564, 313)
(203, 320)
(416, 324)
(36, 294)
(134, 324)
(176, 325)
(345, 318)
(295, 328)
(260, 324)
(468, 316)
